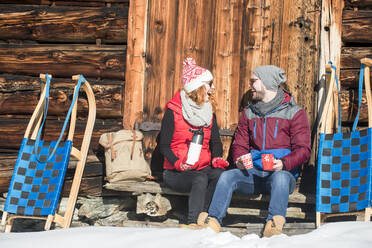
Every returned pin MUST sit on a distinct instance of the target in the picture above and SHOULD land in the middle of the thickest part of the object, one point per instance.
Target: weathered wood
(154, 187)
(160, 60)
(20, 94)
(85, 3)
(12, 131)
(91, 186)
(358, 3)
(106, 61)
(152, 205)
(69, 24)
(135, 67)
(357, 26)
(349, 106)
(350, 78)
(330, 41)
(351, 56)
(226, 60)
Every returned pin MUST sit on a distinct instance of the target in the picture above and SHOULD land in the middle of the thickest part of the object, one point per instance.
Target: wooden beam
(357, 26)
(226, 60)
(330, 41)
(135, 65)
(154, 187)
(106, 61)
(12, 131)
(63, 24)
(20, 94)
(351, 56)
(160, 57)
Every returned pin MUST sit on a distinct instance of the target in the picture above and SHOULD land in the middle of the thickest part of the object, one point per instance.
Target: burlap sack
(124, 156)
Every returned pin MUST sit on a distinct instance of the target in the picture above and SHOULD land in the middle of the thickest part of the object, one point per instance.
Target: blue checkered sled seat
(344, 164)
(35, 187)
(40, 169)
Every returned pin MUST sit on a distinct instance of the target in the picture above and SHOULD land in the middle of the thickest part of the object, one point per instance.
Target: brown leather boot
(214, 224)
(202, 218)
(274, 226)
(192, 226)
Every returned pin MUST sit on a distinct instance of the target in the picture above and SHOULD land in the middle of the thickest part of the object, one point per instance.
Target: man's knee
(228, 177)
(281, 179)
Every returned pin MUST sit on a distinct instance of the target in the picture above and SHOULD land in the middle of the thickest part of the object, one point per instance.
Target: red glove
(181, 165)
(219, 162)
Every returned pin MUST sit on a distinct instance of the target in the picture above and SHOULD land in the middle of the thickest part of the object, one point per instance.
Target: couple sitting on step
(272, 130)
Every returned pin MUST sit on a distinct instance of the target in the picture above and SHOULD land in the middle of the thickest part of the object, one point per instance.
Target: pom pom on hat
(194, 76)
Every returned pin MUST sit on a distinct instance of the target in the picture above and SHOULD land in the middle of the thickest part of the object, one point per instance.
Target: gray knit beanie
(271, 76)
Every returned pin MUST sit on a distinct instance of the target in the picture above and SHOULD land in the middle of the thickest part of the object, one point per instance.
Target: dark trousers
(201, 185)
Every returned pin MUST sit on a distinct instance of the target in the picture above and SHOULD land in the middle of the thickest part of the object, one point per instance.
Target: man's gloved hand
(219, 162)
(181, 165)
(244, 162)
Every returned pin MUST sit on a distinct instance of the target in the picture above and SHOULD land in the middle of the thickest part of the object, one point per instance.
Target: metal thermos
(195, 146)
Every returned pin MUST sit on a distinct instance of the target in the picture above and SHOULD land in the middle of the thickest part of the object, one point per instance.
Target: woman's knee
(200, 181)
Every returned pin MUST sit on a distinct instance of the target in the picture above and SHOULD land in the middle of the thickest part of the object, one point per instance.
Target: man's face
(257, 87)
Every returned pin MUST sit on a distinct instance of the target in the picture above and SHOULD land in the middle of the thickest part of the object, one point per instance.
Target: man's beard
(257, 95)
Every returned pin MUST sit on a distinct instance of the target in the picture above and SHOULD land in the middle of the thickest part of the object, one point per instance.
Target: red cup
(247, 160)
(267, 161)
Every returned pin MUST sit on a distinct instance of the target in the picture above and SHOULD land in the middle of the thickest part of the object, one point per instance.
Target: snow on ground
(338, 235)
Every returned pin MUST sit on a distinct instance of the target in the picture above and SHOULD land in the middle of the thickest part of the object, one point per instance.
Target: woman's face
(209, 88)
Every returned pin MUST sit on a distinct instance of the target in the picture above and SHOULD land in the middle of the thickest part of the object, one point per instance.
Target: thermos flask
(195, 146)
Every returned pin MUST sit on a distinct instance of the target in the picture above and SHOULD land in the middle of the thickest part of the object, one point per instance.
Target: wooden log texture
(106, 61)
(91, 183)
(63, 24)
(357, 26)
(358, 4)
(351, 56)
(19, 96)
(12, 131)
(83, 3)
(154, 187)
(350, 78)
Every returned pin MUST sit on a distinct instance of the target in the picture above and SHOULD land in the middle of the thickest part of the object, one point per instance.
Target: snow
(338, 235)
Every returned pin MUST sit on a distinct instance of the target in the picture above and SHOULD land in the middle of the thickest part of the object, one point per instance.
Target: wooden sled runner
(344, 181)
(39, 172)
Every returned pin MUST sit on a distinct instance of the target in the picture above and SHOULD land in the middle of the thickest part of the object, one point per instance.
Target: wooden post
(226, 60)
(330, 40)
(135, 65)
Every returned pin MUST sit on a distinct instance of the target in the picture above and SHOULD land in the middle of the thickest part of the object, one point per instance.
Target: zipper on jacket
(264, 134)
(276, 128)
(254, 129)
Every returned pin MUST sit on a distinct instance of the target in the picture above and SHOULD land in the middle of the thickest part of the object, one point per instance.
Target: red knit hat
(194, 76)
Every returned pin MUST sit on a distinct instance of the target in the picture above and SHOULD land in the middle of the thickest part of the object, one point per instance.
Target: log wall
(356, 44)
(62, 38)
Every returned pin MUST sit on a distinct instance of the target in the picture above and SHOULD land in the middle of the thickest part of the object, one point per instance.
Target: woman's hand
(181, 165)
(219, 162)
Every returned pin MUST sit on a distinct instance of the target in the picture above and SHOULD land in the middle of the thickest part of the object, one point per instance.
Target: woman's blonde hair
(198, 96)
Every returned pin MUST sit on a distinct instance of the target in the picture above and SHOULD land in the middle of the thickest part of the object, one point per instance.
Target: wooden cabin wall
(356, 44)
(230, 38)
(62, 38)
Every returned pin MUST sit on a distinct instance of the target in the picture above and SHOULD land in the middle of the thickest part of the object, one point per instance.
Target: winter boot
(274, 226)
(202, 218)
(191, 226)
(214, 224)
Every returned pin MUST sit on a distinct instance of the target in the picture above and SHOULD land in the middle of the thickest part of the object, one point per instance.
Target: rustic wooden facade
(61, 38)
(132, 53)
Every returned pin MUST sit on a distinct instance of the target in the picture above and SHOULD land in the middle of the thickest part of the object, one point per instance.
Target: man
(271, 124)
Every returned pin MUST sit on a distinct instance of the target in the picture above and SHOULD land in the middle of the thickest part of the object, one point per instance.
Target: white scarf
(195, 115)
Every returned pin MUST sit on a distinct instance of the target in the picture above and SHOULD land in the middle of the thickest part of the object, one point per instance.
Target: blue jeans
(279, 184)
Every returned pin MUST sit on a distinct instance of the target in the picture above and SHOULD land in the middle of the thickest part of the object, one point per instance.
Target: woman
(192, 108)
